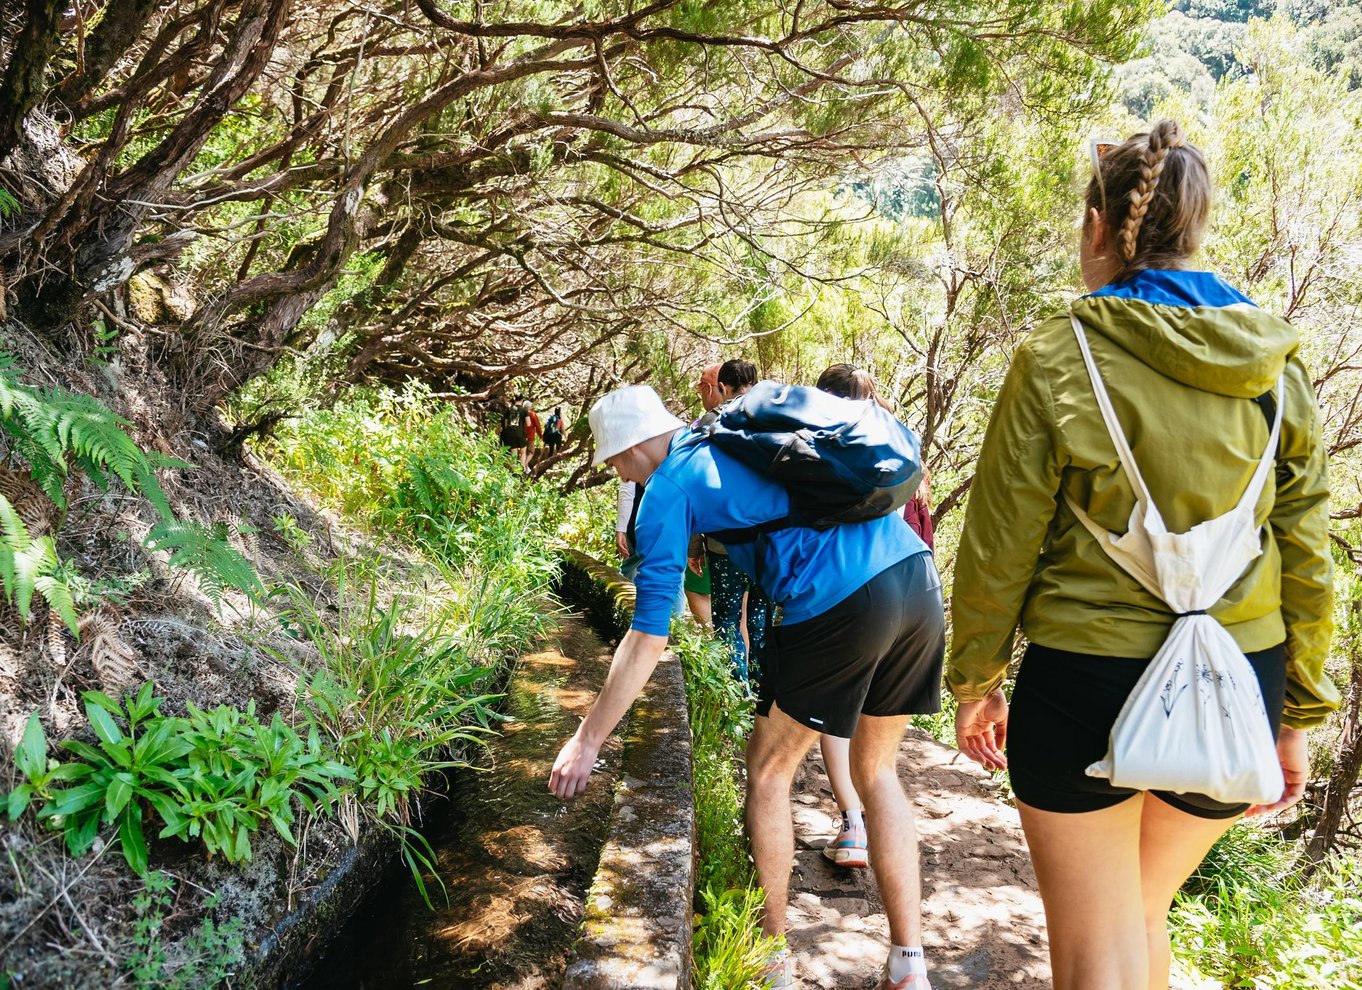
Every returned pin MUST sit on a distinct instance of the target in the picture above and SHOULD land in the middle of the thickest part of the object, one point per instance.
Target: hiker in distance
(858, 651)
(1165, 406)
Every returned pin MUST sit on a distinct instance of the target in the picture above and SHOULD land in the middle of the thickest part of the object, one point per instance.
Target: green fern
(53, 430)
(29, 566)
(206, 552)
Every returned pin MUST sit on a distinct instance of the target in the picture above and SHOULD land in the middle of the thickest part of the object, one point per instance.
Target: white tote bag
(1195, 722)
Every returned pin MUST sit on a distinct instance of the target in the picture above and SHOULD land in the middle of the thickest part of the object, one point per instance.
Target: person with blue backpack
(802, 487)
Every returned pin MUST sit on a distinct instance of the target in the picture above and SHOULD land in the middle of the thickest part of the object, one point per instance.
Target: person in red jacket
(918, 512)
(534, 430)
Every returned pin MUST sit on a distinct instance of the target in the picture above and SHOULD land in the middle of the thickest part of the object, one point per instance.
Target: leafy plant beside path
(216, 776)
(54, 437)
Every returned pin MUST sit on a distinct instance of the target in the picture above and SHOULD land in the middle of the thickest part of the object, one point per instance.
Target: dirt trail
(983, 926)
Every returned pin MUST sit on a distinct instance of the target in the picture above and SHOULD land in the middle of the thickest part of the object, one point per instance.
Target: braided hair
(1158, 198)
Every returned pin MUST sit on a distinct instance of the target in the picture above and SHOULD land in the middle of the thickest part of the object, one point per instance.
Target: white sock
(906, 960)
(851, 818)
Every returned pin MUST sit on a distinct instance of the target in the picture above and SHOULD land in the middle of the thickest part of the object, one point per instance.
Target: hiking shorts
(697, 584)
(877, 652)
(1060, 719)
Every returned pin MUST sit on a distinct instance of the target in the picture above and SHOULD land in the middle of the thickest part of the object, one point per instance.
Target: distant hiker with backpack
(553, 430)
(860, 644)
(1163, 406)
(512, 433)
(529, 422)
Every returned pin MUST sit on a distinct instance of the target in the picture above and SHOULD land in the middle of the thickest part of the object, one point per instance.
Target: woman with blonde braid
(1195, 374)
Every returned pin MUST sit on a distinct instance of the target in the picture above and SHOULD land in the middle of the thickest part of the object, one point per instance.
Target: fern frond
(51, 426)
(96, 436)
(114, 661)
(14, 540)
(56, 591)
(36, 561)
(150, 487)
(207, 554)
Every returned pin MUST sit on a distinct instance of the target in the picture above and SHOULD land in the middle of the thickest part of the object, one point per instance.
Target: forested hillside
(271, 269)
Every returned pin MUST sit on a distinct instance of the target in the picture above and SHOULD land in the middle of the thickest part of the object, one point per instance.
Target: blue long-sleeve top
(698, 489)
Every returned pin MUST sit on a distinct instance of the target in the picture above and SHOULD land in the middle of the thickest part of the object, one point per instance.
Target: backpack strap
(744, 534)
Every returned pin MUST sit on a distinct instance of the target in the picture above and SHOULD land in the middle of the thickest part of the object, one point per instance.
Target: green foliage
(205, 552)
(30, 566)
(56, 433)
(105, 343)
(392, 693)
(721, 715)
(53, 430)
(729, 948)
(589, 521)
(294, 535)
(1247, 920)
(217, 777)
(9, 206)
(729, 951)
(204, 959)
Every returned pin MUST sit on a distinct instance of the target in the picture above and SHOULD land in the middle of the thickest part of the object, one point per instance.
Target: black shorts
(877, 652)
(1063, 708)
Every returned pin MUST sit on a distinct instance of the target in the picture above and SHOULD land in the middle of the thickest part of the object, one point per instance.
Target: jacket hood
(1194, 328)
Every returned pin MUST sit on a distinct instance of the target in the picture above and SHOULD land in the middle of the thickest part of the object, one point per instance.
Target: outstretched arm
(634, 663)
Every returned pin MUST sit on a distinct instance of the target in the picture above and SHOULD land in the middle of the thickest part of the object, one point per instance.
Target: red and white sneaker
(849, 848)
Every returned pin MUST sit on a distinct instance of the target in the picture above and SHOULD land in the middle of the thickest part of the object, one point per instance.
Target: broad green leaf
(103, 724)
(31, 756)
(133, 841)
(18, 800)
(117, 796)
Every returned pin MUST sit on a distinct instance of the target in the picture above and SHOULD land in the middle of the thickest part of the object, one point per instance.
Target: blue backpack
(840, 460)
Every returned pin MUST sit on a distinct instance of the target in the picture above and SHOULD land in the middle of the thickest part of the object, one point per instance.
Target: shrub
(1248, 919)
(214, 776)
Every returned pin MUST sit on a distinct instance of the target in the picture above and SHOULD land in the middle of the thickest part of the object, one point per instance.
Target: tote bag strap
(1118, 436)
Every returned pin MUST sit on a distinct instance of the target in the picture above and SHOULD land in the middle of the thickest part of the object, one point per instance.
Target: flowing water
(515, 861)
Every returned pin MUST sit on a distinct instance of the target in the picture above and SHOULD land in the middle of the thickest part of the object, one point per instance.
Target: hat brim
(602, 456)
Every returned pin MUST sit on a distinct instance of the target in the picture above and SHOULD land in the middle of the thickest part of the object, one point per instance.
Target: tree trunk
(1347, 765)
(115, 33)
(23, 84)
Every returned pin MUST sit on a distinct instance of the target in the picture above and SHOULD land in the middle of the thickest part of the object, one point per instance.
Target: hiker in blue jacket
(858, 651)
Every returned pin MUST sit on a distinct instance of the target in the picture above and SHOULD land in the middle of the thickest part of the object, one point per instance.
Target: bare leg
(1088, 868)
(1172, 845)
(700, 608)
(774, 751)
(837, 759)
(889, 823)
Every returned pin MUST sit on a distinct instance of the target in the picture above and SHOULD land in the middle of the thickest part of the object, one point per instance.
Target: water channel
(515, 862)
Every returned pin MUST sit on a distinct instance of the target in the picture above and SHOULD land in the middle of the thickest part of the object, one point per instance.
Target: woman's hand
(981, 730)
(1293, 749)
(622, 542)
(696, 564)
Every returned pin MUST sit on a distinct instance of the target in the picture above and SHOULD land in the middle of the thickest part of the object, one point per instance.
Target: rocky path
(983, 924)
(982, 918)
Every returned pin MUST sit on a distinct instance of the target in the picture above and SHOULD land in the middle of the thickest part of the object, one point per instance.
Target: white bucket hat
(628, 416)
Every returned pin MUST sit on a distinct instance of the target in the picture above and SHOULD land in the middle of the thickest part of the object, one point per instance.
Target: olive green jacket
(1181, 379)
